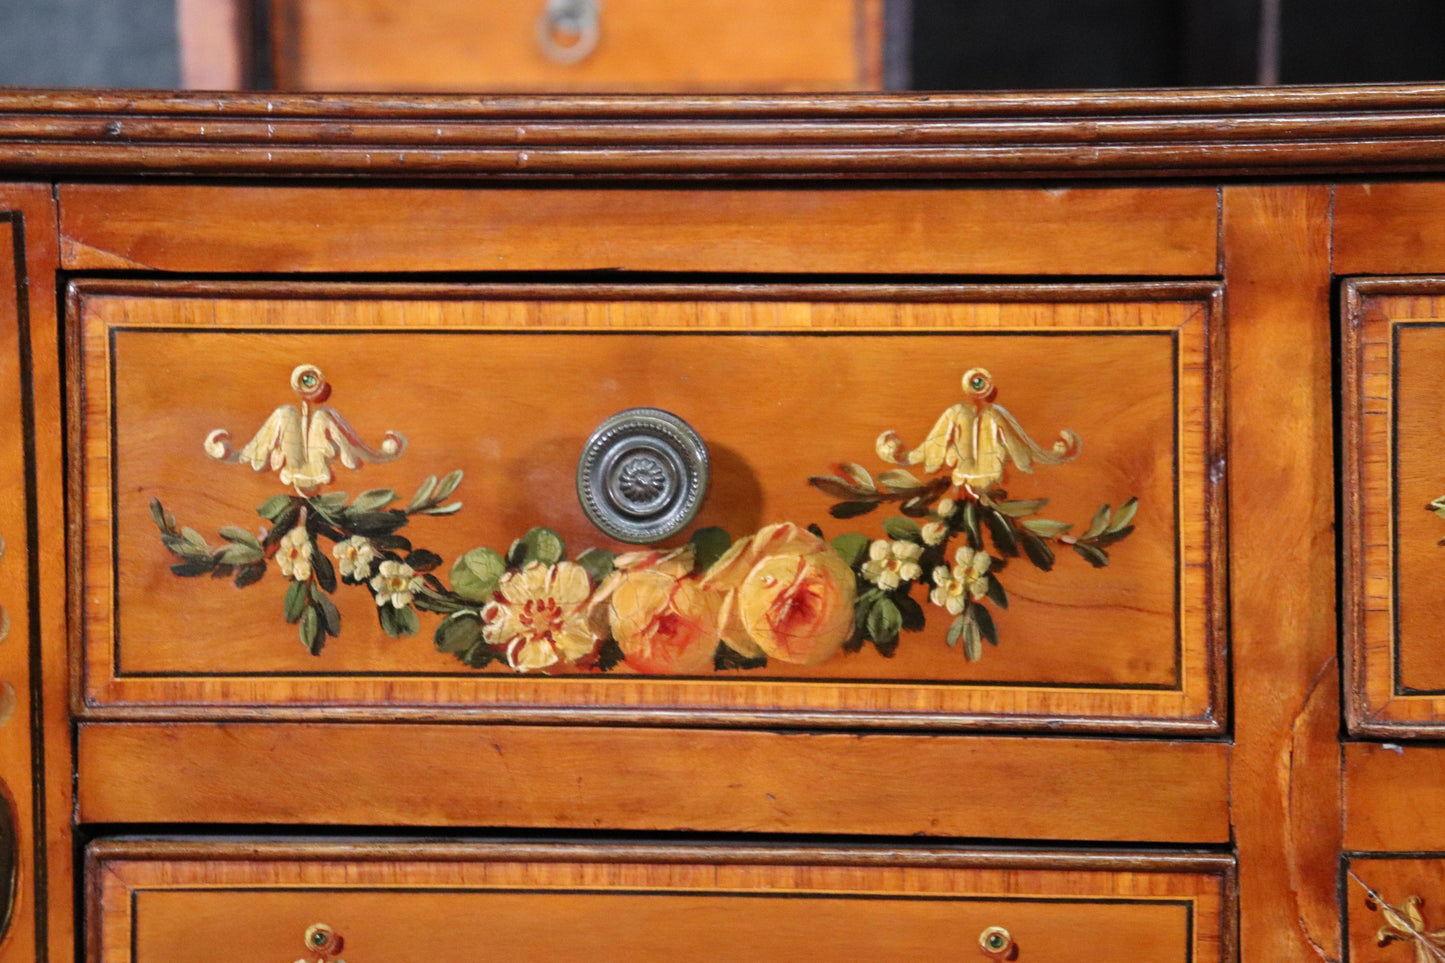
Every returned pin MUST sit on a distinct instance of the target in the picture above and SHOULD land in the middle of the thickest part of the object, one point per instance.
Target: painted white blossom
(294, 554)
(934, 532)
(395, 584)
(890, 564)
(946, 507)
(354, 557)
(968, 578)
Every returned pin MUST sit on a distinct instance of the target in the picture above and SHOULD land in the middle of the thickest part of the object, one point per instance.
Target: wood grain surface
(1394, 345)
(902, 230)
(1285, 777)
(984, 787)
(620, 902)
(1227, 134)
(643, 46)
(1393, 878)
(821, 380)
(35, 756)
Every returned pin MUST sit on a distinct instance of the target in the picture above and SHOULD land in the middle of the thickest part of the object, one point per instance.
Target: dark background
(956, 44)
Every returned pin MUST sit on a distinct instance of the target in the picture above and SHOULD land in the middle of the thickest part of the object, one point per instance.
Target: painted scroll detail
(784, 593)
(1405, 923)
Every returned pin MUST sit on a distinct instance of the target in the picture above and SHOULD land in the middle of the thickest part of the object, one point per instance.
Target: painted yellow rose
(663, 619)
(786, 595)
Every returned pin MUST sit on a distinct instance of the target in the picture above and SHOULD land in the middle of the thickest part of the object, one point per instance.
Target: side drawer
(936, 505)
(155, 902)
(1393, 907)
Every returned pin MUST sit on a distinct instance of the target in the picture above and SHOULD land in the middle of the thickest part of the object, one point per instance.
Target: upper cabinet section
(896, 506)
(576, 45)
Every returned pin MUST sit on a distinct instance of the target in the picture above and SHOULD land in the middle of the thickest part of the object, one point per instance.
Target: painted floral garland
(781, 594)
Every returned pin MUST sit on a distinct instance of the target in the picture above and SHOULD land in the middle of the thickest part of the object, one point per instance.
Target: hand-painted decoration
(967, 453)
(782, 594)
(322, 939)
(1405, 923)
(301, 443)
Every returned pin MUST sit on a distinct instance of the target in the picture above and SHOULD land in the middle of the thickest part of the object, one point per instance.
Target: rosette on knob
(642, 475)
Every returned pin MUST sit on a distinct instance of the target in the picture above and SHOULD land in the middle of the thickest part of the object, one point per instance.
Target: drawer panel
(630, 45)
(884, 612)
(1394, 505)
(625, 903)
(1392, 907)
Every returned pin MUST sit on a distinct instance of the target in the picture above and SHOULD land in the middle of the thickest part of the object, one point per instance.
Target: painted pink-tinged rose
(664, 621)
(786, 595)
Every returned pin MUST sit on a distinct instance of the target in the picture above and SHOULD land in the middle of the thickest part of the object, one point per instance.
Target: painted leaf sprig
(365, 550)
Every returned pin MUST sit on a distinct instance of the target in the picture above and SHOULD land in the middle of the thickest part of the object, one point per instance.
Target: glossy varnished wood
(627, 902)
(899, 230)
(698, 902)
(1371, 882)
(1392, 351)
(1394, 796)
(1149, 658)
(35, 754)
(1284, 782)
(639, 779)
(1221, 133)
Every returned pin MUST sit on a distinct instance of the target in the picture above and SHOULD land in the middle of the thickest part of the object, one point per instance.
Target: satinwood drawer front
(1393, 353)
(580, 45)
(455, 902)
(932, 505)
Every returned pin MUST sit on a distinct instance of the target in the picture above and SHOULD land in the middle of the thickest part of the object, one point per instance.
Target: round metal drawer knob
(642, 475)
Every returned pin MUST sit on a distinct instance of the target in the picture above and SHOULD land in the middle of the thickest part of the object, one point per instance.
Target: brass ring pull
(997, 944)
(324, 940)
(568, 30)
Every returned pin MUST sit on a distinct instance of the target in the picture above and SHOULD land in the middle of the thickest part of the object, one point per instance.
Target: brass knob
(997, 944)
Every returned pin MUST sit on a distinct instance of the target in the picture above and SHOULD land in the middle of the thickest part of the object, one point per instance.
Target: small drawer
(942, 506)
(1394, 907)
(1394, 506)
(577, 45)
(156, 902)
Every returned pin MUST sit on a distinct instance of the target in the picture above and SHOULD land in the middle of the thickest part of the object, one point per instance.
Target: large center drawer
(929, 505)
(155, 902)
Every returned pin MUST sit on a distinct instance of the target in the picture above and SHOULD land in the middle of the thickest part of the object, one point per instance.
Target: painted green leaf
(972, 637)
(911, 613)
(986, 626)
(249, 575)
(1093, 554)
(447, 485)
(1045, 527)
(835, 487)
(450, 509)
(458, 633)
(237, 553)
(309, 628)
(193, 537)
(955, 632)
(1018, 509)
(1001, 531)
(295, 601)
(1097, 526)
(330, 617)
(903, 529)
(851, 547)
(371, 500)
(232, 533)
(1037, 550)
(858, 474)
(541, 545)
(884, 622)
(382, 522)
(899, 480)
(422, 560)
(272, 508)
(474, 576)
(331, 500)
(322, 568)
(423, 493)
(406, 621)
(996, 594)
(970, 526)
(851, 509)
(598, 563)
(709, 544)
(1124, 516)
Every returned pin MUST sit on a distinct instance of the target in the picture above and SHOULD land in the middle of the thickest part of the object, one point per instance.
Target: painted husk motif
(786, 593)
